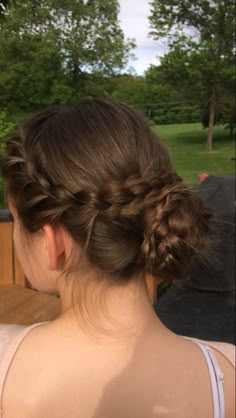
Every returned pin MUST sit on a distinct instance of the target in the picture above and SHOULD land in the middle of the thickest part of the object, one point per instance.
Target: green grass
(186, 143)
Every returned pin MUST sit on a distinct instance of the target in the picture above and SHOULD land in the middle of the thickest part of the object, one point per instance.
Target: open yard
(186, 144)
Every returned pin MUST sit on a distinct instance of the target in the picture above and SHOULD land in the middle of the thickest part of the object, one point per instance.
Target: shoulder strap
(11, 336)
(226, 349)
(217, 380)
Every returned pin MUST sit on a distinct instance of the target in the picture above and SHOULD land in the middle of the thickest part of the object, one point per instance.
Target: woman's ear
(55, 245)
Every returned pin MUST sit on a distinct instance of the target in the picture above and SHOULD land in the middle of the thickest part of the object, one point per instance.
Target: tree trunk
(211, 123)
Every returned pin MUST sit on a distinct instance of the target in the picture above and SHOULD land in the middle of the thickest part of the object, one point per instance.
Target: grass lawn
(186, 143)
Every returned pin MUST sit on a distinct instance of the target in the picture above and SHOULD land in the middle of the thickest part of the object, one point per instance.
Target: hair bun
(176, 230)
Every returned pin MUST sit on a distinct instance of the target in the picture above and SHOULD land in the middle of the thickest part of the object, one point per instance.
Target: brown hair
(98, 170)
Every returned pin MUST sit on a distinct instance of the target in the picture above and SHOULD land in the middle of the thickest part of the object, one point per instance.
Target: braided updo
(99, 171)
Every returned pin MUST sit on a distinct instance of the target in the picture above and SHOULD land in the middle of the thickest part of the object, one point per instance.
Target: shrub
(6, 127)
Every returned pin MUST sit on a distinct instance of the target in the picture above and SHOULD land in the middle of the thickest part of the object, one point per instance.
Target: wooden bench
(10, 270)
(26, 306)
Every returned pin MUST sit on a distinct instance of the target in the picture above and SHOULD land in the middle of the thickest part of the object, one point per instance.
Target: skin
(119, 361)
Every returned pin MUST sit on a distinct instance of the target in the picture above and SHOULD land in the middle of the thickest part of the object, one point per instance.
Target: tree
(4, 5)
(50, 50)
(6, 128)
(210, 27)
(165, 97)
(187, 72)
(133, 90)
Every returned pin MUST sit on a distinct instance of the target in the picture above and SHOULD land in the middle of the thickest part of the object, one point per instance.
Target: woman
(97, 206)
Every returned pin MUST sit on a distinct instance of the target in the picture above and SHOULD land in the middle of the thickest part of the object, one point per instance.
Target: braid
(128, 198)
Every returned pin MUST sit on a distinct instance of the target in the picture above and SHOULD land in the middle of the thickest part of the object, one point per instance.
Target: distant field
(186, 143)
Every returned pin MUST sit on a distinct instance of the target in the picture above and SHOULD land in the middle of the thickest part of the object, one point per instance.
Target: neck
(119, 312)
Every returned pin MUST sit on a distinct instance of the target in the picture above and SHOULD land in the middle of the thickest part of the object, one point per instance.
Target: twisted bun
(110, 183)
(176, 230)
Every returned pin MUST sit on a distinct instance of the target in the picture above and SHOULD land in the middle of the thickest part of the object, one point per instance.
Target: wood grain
(10, 268)
(26, 306)
(6, 253)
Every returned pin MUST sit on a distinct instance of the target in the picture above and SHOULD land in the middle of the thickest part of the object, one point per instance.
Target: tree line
(57, 51)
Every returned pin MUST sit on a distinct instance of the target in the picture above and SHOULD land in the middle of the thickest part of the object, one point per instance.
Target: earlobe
(55, 245)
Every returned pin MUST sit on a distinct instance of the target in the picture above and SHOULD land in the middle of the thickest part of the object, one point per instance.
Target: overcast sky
(134, 21)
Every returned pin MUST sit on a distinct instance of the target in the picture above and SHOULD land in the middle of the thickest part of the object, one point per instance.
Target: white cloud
(135, 24)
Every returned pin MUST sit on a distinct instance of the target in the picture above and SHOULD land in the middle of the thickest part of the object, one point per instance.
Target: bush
(175, 114)
(6, 127)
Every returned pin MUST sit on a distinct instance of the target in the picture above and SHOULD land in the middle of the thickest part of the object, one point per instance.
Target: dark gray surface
(199, 314)
(218, 272)
(205, 306)
(218, 193)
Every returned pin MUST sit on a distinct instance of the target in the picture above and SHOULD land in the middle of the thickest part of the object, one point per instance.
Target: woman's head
(98, 171)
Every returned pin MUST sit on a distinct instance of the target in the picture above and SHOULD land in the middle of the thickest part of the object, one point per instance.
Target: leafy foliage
(54, 51)
(6, 127)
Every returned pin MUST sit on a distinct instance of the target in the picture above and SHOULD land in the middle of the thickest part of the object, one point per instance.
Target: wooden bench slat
(6, 253)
